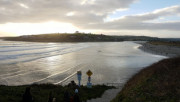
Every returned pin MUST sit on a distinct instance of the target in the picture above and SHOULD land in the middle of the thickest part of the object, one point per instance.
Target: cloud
(142, 21)
(44, 10)
(85, 14)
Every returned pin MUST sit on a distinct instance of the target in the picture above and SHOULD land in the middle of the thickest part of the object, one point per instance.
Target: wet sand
(165, 50)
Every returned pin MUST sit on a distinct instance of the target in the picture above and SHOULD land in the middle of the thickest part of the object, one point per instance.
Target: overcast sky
(159, 18)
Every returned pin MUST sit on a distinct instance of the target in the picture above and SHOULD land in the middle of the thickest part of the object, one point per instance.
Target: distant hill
(171, 39)
(78, 37)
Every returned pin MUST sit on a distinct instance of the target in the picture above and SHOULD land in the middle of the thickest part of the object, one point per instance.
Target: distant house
(77, 32)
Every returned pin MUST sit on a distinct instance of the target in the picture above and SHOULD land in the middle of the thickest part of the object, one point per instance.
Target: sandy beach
(165, 50)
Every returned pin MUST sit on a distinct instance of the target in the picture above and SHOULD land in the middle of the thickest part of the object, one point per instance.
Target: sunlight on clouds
(120, 10)
(110, 17)
(2, 8)
(162, 18)
(167, 19)
(171, 9)
(70, 13)
(23, 5)
(83, 2)
(87, 2)
(37, 28)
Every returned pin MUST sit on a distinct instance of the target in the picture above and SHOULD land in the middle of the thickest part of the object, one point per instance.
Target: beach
(164, 50)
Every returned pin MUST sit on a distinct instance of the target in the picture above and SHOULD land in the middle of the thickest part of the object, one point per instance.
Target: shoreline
(164, 50)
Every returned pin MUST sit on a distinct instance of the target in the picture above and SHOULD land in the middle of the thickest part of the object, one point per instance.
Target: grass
(159, 82)
(41, 92)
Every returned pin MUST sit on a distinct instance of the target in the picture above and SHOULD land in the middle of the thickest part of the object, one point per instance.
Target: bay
(57, 63)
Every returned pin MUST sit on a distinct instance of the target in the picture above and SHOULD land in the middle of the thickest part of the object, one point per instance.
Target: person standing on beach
(27, 97)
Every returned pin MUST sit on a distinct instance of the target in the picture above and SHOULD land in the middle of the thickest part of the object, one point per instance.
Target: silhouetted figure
(76, 96)
(54, 99)
(72, 99)
(27, 97)
(72, 85)
(66, 96)
(50, 99)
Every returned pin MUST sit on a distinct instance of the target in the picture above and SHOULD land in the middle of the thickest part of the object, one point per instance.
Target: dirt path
(107, 96)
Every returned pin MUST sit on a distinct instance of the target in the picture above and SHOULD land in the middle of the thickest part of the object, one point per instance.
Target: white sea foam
(12, 53)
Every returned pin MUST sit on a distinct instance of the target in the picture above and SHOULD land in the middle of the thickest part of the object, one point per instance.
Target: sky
(157, 18)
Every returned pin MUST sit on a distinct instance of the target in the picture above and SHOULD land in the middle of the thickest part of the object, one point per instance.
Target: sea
(23, 63)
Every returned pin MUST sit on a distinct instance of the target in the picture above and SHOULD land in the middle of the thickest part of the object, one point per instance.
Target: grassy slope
(159, 82)
(40, 93)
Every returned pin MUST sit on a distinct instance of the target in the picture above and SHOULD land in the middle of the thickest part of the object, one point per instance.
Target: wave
(24, 53)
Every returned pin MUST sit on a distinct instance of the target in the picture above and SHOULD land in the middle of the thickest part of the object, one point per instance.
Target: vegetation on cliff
(159, 82)
(40, 93)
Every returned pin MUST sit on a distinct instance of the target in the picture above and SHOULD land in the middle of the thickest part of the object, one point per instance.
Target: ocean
(24, 63)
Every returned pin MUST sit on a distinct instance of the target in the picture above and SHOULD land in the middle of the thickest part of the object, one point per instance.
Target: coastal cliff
(157, 83)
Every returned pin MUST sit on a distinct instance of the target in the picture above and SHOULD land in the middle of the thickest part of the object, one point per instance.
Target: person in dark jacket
(50, 99)
(76, 96)
(27, 97)
(66, 96)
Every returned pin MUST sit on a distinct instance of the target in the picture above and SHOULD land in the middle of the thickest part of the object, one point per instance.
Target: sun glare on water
(36, 28)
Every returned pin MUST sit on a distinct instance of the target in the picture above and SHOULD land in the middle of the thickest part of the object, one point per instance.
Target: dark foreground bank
(159, 82)
(41, 93)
